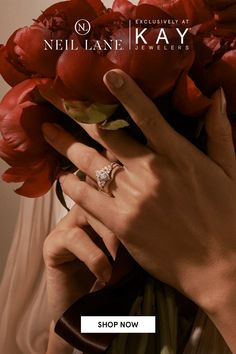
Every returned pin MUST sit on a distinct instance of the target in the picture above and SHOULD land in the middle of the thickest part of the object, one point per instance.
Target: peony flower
(196, 11)
(23, 56)
(155, 71)
(23, 147)
(71, 80)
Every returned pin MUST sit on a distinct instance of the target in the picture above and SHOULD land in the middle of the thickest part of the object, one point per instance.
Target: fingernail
(223, 103)
(114, 79)
(50, 131)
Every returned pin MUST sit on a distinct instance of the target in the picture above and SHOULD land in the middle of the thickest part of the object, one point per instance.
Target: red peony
(24, 57)
(23, 147)
(71, 80)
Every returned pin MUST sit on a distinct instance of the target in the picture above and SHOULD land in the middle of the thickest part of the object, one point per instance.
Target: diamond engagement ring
(106, 174)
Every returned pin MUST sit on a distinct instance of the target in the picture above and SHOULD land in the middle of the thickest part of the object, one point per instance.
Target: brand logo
(137, 37)
(82, 27)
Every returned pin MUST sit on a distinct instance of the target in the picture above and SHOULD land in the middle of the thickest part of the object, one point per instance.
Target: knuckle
(221, 132)
(125, 222)
(96, 261)
(71, 237)
(154, 186)
(110, 235)
(153, 170)
(149, 118)
(149, 163)
(226, 133)
(128, 95)
(185, 165)
(88, 158)
(80, 192)
(47, 249)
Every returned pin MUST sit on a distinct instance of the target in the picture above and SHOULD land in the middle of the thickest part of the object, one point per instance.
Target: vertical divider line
(130, 34)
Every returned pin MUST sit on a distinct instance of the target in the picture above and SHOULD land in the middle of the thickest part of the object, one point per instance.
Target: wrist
(224, 319)
(219, 303)
(219, 288)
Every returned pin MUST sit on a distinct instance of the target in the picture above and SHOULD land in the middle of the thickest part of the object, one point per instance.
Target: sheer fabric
(25, 317)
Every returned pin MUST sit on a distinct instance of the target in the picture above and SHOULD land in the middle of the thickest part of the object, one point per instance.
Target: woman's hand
(73, 262)
(173, 206)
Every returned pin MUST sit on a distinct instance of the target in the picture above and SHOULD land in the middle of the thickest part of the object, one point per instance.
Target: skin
(173, 207)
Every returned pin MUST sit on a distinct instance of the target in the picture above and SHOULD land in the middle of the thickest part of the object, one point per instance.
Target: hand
(173, 206)
(73, 262)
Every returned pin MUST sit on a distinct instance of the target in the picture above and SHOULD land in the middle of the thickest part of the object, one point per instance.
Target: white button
(118, 324)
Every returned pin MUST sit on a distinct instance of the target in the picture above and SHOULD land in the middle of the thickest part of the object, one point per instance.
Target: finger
(111, 242)
(143, 111)
(220, 141)
(112, 185)
(91, 182)
(118, 143)
(96, 203)
(77, 217)
(69, 244)
(110, 156)
(85, 158)
(74, 218)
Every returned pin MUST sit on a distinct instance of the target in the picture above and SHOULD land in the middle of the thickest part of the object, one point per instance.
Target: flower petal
(157, 71)
(23, 146)
(227, 14)
(220, 4)
(37, 181)
(125, 7)
(8, 71)
(188, 99)
(73, 10)
(196, 11)
(15, 174)
(79, 81)
(30, 48)
(19, 94)
(23, 133)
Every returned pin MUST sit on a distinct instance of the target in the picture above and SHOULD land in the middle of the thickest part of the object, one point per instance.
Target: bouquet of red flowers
(178, 52)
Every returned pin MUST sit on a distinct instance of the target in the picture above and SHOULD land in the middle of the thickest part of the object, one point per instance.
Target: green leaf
(86, 112)
(80, 111)
(114, 125)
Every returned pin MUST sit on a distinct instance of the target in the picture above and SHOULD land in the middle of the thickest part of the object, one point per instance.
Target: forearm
(56, 345)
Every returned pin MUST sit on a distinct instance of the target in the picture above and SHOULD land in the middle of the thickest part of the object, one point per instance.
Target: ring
(106, 174)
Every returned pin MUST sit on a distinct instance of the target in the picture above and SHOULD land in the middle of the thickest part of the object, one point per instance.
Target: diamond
(105, 175)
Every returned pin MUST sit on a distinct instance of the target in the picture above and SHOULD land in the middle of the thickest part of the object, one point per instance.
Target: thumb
(220, 144)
